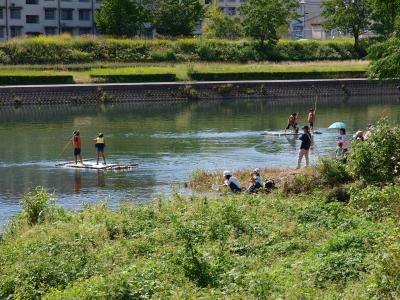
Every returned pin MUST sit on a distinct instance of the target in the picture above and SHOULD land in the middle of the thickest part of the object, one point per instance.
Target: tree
(385, 59)
(178, 17)
(219, 25)
(262, 19)
(121, 17)
(385, 14)
(349, 16)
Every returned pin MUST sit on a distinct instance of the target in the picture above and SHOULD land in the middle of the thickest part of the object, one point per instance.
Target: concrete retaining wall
(162, 92)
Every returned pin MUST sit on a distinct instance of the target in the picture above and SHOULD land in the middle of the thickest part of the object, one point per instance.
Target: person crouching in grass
(256, 182)
(232, 182)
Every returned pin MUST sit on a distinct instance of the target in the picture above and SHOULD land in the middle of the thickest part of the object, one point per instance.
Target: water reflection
(168, 141)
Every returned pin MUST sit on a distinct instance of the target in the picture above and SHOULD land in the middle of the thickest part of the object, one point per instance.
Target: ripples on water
(168, 141)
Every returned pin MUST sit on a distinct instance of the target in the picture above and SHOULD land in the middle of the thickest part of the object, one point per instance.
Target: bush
(66, 49)
(377, 160)
(224, 76)
(129, 78)
(376, 201)
(332, 172)
(35, 206)
(36, 79)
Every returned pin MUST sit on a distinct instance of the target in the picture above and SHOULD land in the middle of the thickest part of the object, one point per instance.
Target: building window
(83, 0)
(69, 30)
(1, 13)
(85, 30)
(1, 32)
(84, 14)
(231, 11)
(32, 1)
(50, 30)
(15, 13)
(15, 31)
(32, 19)
(66, 14)
(49, 13)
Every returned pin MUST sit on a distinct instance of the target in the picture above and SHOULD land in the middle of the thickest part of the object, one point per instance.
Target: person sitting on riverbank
(232, 182)
(76, 144)
(359, 136)
(292, 123)
(100, 145)
(256, 182)
(311, 119)
(305, 146)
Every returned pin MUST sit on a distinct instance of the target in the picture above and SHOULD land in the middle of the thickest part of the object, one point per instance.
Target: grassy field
(82, 73)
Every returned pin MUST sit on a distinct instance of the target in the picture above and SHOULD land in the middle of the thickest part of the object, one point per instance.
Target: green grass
(82, 72)
(227, 247)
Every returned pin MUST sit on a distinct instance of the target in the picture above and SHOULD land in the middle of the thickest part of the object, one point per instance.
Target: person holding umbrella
(342, 134)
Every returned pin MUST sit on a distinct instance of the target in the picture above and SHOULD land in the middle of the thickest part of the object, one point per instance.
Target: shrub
(377, 159)
(36, 79)
(35, 205)
(376, 201)
(127, 78)
(332, 172)
(4, 58)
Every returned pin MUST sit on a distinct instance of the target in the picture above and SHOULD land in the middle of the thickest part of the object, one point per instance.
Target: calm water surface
(168, 141)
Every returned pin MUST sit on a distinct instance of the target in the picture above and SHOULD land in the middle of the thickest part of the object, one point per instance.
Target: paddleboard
(282, 133)
(94, 166)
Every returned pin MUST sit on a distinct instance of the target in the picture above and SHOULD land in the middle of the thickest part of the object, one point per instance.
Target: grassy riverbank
(104, 72)
(328, 232)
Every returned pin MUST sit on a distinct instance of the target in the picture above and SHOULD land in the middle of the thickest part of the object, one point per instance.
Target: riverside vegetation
(331, 232)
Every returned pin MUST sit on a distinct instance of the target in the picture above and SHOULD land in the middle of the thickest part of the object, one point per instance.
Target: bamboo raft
(93, 166)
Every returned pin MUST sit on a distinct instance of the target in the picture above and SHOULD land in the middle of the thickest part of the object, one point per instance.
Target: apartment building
(34, 17)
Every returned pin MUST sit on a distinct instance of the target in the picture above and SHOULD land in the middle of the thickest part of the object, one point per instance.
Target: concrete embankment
(163, 92)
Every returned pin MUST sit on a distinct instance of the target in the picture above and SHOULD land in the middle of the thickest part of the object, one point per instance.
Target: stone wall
(164, 92)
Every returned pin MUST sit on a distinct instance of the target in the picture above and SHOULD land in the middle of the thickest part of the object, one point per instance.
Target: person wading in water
(292, 123)
(100, 145)
(311, 119)
(76, 144)
(305, 139)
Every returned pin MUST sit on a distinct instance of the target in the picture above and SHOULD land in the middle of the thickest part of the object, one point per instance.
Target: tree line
(263, 20)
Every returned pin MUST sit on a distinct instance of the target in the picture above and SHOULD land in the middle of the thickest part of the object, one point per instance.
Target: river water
(168, 141)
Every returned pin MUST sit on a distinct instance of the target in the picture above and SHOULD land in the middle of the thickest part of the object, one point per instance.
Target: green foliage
(349, 16)
(68, 50)
(377, 160)
(178, 17)
(376, 201)
(223, 76)
(35, 79)
(4, 58)
(120, 18)
(385, 16)
(36, 205)
(332, 172)
(219, 25)
(231, 247)
(385, 58)
(134, 78)
(262, 19)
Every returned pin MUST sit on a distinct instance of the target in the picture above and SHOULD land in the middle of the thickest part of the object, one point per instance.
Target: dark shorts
(311, 124)
(290, 125)
(77, 151)
(100, 147)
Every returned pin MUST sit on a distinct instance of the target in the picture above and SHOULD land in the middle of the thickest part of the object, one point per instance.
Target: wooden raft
(94, 166)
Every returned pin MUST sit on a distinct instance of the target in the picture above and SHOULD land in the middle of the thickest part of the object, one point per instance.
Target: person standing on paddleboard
(311, 119)
(76, 144)
(100, 144)
(306, 141)
(292, 122)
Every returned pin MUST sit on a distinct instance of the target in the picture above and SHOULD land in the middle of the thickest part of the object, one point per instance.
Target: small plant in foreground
(35, 205)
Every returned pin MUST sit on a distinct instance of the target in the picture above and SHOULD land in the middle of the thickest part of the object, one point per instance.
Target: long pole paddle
(65, 148)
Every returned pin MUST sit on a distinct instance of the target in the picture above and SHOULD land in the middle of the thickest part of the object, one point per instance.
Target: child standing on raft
(100, 145)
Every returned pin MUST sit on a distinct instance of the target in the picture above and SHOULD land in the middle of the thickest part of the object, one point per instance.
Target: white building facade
(35, 17)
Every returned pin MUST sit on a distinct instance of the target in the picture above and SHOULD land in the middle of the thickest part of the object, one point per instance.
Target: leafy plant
(36, 205)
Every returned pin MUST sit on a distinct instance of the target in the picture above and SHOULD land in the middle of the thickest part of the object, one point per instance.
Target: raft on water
(94, 166)
(282, 133)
